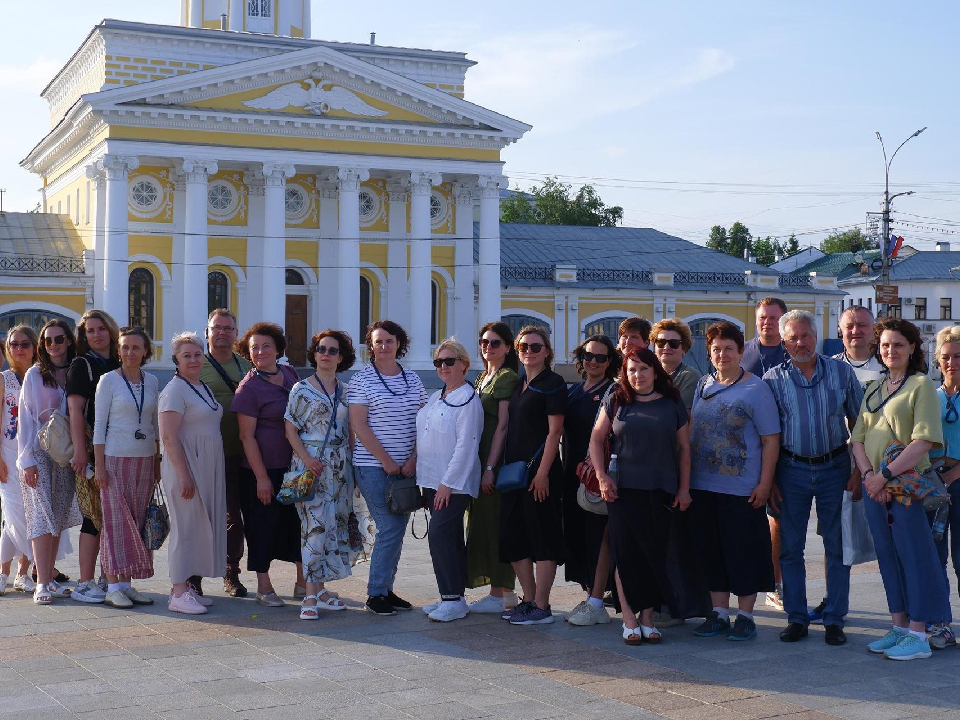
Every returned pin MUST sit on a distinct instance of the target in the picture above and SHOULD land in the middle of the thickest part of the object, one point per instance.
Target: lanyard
(334, 401)
(384, 382)
(223, 373)
(951, 415)
(197, 393)
(876, 391)
(450, 404)
(139, 433)
(802, 382)
(703, 386)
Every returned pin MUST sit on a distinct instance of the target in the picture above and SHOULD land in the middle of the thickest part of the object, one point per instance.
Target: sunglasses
(663, 342)
(21, 345)
(491, 343)
(440, 362)
(56, 340)
(530, 347)
(324, 350)
(591, 357)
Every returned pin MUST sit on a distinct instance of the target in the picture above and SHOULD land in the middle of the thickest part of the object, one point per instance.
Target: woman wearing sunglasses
(317, 424)
(531, 519)
(495, 386)
(588, 544)
(902, 407)
(671, 341)
(50, 491)
(448, 471)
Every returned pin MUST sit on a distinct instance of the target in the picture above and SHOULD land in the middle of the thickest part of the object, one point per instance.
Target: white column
(489, 242)
(348, 264)
(170, 326)
(251, 305)
(173, 320)
(328, 258)
(275, 242)
(307, 20)
(116, 249)
(195, 254)
(96, 176)
(421, 264)
(235, 21)
(196, 13)
(463, 311)
(397, 305)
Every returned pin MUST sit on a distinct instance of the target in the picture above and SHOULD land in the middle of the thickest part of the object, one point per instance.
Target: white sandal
(42, 595)
(632, 636)
(309, 612)
(59, 591)
(332, 602)
(650, 634)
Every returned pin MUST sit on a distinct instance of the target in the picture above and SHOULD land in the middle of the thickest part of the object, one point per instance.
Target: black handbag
(403, 495)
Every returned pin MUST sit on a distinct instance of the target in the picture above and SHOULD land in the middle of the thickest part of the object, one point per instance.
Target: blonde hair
(184, 338)
(951, 333)
(451, 343)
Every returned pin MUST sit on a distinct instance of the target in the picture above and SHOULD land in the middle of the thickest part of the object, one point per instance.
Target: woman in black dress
(531, 519)
(588, 549)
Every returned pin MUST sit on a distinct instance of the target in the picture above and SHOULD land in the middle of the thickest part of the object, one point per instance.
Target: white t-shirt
(448, 441)
(392, 404)
(872, 369)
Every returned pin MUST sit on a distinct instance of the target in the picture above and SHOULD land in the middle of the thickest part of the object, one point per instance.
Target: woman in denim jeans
(384, 401)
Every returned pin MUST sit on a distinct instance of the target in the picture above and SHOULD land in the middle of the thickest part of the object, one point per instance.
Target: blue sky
(688, 114)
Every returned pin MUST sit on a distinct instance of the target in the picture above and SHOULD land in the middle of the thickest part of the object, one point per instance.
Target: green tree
(718, 239)
(554, 204)
(739, 239)
(792, 246)
(847, 241)
(766, 249)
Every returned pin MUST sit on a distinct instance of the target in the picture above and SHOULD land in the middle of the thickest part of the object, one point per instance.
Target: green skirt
(483, 545)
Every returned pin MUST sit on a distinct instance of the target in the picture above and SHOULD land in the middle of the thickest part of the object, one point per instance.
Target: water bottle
(939, 526)
(614, 471)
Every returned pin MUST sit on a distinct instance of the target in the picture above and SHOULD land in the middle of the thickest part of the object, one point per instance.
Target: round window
(293, 201)
(436, 207)
(145, 194)
(220, 197)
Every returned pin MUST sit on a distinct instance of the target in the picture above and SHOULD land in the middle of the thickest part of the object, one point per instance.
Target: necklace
(703, 388)
(138, 434)
(334, 401)
(652, 392)
(952, 414)
(197, 393)
(60, 367)
(851, 363)
(390, 390)
(265, 373)
(883, 401)
(444, 400)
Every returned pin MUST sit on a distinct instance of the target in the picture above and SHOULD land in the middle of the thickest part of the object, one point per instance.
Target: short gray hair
(185, 338)
(798, 316)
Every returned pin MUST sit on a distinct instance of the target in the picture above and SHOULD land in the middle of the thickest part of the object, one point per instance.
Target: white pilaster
(397, 305)
(489, 241)
(235, 20)
(251, 305)
(196, 13)
(275, 242)
(98, 180)
(421, 264)
(328, 258)
(195, 254)
(463, 311)
(116, 245)
(348, 297)
(173, 320)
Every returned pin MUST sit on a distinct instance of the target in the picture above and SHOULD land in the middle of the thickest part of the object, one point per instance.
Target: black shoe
(793, 632)
(232, 585)
(194, 582)
(713, 625)
(380, 605)
(398, 602)
(834, 635)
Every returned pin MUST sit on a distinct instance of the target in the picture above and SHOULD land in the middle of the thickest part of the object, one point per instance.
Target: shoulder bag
(403, 495)
(516, 475)
(156, 527)
(54, 435)
(927, 487)
(302, 486)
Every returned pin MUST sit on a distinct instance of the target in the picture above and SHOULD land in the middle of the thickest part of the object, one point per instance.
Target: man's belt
(816, 459)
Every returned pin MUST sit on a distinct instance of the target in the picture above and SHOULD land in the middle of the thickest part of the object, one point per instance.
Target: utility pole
(882, 309)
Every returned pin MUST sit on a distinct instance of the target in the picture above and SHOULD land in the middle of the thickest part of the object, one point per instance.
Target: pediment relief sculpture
(311, 95)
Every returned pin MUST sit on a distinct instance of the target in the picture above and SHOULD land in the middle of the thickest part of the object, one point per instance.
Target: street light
(887, 199)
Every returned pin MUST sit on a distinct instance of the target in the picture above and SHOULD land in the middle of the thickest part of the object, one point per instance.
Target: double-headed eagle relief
(311, 95)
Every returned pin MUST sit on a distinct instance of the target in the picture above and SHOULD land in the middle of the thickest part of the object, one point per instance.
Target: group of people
(672, 490)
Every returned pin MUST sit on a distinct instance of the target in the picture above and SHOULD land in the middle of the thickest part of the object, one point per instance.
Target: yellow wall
(121, 70)
(72, 299)
(378, 186)
(234, 178)
(375, 254)
(162, 176)
(310, 215)
(160, 246)
(228, 247)
(303, 250)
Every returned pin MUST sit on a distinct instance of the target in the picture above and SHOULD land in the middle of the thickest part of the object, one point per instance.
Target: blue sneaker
(886, 642)
(713, 625)
(533, 616)
(518, 608)
(909, 647)
(816, 615)
(743, 629)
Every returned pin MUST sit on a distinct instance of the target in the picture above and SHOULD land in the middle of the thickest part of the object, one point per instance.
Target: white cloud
(30, 79)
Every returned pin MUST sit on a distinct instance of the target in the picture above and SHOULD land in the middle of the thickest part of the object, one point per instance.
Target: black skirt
(272, 531)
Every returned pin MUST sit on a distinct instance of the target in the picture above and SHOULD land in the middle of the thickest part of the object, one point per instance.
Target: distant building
(798, 259)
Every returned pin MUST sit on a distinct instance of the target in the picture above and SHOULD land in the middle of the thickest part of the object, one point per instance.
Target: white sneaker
(186, 604)
(510, 600)
(586, 614)
(3, 583)
(450, 610)
(488, 604)
(202, 599)
(88, 592)
(24, 584)
(118, 600)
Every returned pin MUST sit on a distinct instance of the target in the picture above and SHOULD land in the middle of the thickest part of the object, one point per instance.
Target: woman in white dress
(192, 474)
(20, 351)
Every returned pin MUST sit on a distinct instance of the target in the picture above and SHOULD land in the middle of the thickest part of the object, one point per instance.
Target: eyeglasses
(491, 343)
(661, 343)
(26, 345)
(440, 362)
(225, 329)
(325, 350)
(55, 340)
(530, 347)
(591, 357)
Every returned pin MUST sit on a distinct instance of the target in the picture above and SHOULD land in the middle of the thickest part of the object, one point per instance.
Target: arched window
(518, 322)
(141, 288)
(434, 312)
(366, 303)
(293, 277)
(608, 326)
(218, 291)
(698, 356)
(35, 318)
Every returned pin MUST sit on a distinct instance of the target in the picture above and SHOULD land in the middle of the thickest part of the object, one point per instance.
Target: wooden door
(296, 329)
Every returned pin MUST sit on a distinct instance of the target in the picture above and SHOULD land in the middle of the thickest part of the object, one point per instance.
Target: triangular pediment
(311, 85)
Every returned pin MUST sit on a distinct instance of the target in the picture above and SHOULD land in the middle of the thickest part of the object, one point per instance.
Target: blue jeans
(385, 557)
(800, 484)
(950, 542)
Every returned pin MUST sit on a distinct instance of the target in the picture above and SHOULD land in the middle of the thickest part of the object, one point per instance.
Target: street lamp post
(887, 199)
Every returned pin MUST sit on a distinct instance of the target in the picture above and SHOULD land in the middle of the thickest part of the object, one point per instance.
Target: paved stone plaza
(246, 661)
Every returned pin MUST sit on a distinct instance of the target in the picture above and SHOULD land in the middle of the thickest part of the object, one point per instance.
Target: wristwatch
(488, 467)
(886, 473)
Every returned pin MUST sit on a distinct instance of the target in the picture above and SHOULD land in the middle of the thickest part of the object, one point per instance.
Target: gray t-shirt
(645, 442)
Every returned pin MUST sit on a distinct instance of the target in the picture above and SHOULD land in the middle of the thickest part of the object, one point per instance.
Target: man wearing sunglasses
(222, 371)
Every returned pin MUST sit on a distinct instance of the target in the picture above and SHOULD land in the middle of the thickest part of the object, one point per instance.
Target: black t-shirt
(645, 442)
(581, 416)
(79, 382)
(528, 426)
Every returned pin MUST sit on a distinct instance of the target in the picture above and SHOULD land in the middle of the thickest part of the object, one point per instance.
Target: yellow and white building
(235, 161)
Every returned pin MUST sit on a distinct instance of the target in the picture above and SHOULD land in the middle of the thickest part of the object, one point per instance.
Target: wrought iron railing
(790, 281)
(633, 277)
(688, 277)
(524, 272)
(42, 265)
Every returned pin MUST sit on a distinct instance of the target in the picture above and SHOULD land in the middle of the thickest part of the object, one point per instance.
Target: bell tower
(289, 18)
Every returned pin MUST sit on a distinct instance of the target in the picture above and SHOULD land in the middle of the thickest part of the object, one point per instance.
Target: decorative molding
(254, 181)
(349, 179)
(329, 189)
(421, 183)
(398, 189)
(277, 174)
(489, 185)
(118, 167)
(314, 98)
(197, 170)
(463, 193)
